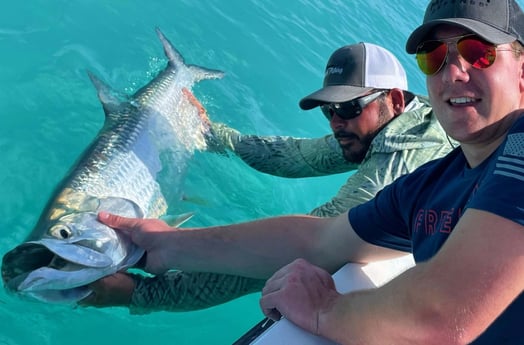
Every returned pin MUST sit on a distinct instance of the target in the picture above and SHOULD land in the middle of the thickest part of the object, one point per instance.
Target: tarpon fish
(134, 167)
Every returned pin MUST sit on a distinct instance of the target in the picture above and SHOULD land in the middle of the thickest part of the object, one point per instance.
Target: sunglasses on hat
(432, 55)
(350, 109)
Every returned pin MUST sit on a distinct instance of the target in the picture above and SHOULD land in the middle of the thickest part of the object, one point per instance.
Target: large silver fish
(134, 167)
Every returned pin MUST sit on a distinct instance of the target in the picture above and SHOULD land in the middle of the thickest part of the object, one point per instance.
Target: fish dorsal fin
(177, 60)
(111, 100)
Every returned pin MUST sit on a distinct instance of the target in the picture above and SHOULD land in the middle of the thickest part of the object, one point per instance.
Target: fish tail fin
(201, 73)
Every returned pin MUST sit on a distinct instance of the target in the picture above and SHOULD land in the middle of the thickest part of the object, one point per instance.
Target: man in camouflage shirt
(380, 129)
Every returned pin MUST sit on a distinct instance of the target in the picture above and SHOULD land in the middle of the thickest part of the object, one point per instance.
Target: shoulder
(416, 128)
(418, 112)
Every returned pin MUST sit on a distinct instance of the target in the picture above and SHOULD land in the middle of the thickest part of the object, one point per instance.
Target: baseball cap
(353, 71)
(497, 21)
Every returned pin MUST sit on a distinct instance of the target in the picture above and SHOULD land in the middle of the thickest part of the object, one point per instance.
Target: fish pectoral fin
(177, 220)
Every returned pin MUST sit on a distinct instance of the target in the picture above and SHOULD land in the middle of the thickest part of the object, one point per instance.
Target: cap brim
(333, 94)
(485, 31)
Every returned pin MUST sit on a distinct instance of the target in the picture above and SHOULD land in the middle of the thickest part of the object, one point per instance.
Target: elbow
(439, 325)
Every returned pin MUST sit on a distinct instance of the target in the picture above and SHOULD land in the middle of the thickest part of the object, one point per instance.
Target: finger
(280, 277)
(268, 306)
(273, 284)
(112, 290)
(324, 277)
(89, 301)
(273, 314)
(117, 222)
(193, 100)
(281, 273)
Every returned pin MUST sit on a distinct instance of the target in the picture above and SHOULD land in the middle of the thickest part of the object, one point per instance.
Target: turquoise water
(273, 53)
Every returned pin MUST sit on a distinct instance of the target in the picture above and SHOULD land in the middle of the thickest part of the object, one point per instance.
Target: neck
(477, 153)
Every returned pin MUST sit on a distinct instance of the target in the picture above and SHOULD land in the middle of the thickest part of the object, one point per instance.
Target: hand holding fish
(114, 290)
(140, 230)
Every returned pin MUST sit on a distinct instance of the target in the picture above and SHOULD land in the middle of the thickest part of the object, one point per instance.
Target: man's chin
(356, 159)
(353, 157)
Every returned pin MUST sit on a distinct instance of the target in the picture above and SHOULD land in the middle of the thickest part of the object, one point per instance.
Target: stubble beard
(356, 152)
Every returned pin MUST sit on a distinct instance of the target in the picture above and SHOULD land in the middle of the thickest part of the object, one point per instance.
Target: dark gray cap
(497, 21)
(353, 71)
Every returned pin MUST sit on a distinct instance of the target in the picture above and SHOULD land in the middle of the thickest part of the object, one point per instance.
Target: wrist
(331, 315)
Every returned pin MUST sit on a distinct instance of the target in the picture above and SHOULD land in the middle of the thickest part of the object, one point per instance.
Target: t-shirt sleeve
(502, 188)
(381, 220)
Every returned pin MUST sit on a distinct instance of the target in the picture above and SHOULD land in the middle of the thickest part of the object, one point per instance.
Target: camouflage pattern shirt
(405, 143)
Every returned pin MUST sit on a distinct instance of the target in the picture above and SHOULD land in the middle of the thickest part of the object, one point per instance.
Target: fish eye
(61, 231)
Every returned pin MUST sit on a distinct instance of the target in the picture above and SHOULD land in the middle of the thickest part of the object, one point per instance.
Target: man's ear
(521, 73)
(398, 101)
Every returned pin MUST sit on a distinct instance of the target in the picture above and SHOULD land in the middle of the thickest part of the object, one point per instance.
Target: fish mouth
(51, 269)
(22, 260)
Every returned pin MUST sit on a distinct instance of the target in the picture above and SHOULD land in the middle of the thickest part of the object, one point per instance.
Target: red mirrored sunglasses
(432, 55)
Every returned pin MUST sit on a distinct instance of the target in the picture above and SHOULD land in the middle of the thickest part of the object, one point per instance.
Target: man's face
(470, 102)
(355, 135)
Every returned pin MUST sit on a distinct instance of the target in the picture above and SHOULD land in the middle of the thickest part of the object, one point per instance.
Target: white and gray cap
(353, 71)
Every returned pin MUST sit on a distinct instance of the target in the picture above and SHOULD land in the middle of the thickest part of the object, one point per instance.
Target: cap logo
(437, 4)
(334, 70)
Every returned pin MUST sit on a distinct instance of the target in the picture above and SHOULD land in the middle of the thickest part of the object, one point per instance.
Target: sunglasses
(350, 109)
(480, 54)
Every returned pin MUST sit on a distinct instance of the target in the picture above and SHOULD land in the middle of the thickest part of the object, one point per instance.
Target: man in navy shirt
(462, 216)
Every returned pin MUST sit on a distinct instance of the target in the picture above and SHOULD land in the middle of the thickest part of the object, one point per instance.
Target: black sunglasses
(350, 109)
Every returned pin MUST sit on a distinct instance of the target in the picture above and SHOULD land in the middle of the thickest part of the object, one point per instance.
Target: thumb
(117, 222)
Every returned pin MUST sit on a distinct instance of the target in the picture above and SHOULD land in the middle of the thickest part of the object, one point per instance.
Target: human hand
(300, 292)
(202, 113)
(147, 234)
(111, 291)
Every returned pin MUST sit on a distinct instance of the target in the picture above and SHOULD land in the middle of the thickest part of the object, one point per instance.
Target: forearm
(283, 155)
(184, 291)
(396, 312)
(253, 249)
(292, 157)
(258, 249)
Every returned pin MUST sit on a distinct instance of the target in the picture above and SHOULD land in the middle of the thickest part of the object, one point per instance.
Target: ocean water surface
(273, 54)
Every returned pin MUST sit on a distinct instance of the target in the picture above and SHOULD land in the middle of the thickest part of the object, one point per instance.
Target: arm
(172, 291)
(375, 172)
(253, 249)
(450, 299)
(282, 155)
(276, 155)
(183, 291)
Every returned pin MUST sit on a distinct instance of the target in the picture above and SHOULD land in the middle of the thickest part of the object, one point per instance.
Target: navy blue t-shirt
(418, 211)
